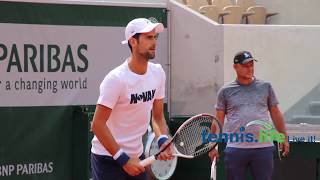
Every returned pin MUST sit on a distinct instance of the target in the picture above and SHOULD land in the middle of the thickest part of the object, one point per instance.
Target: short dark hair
(136, 36)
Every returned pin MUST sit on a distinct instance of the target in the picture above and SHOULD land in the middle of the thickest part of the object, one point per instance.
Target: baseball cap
(243, 57)
(141, 25)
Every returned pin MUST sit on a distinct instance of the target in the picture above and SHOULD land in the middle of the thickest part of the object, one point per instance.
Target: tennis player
(128, 94)
(242, 101)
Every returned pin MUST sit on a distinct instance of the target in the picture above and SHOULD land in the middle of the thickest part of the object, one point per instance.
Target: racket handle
(148, 161)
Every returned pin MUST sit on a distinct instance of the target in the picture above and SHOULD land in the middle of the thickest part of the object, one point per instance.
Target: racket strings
(206, 144)
(189, 140)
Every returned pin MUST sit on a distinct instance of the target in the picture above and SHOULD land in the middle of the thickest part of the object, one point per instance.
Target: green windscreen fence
(43, 143)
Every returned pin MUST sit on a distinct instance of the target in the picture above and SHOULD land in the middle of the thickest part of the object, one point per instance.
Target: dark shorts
(258, 160)
(106, 168)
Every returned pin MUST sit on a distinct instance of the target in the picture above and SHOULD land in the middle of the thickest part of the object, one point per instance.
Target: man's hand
(285, 148)
(213, 154)
(133, 168)
(166, 154)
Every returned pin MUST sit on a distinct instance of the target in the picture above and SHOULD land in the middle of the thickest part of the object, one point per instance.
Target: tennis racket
(188, 141)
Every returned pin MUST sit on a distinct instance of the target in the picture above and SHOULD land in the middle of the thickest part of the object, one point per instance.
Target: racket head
(190, 141)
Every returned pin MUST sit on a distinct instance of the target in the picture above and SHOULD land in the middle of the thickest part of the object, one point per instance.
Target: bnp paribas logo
(267, 132)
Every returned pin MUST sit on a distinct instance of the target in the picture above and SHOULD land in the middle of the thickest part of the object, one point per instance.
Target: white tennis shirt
(130, 96)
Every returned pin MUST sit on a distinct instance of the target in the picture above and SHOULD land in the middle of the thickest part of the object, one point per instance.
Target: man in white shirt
(128, 94)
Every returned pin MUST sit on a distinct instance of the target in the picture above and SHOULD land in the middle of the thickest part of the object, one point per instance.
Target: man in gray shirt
(242, 102)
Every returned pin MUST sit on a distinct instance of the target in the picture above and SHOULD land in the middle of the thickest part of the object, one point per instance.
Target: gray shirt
(243, 104)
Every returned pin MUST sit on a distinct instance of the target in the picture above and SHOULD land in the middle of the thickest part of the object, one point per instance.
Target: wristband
(162, 139)
(121, 157)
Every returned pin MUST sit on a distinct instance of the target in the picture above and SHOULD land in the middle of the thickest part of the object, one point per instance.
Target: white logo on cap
(246, 55)
(153, 19)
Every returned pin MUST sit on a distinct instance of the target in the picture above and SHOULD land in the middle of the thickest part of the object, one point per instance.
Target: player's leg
(105, 168)
(236, 162)
(261, 165)
(142, 176)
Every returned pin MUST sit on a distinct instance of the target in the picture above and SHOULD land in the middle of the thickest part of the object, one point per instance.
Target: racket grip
(148, 161)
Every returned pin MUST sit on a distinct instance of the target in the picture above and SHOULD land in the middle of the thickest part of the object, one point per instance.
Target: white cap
(141, 25)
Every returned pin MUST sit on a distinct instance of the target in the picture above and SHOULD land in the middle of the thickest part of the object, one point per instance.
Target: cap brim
(248, 60)
(157, 26)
